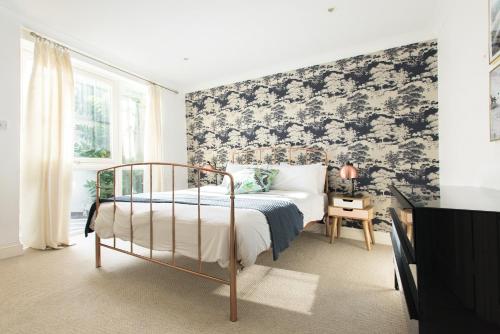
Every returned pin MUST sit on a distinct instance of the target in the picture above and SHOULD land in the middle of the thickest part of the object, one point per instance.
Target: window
(108, 130)
(132, 109)
(92, 119)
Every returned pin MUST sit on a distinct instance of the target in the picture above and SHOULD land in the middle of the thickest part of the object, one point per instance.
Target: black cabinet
(448, 267)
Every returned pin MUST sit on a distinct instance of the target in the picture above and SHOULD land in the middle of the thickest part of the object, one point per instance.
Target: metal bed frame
(233, 265)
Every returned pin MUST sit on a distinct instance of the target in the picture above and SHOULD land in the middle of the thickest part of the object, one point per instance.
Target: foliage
(221, 120)
(247, 117)
(342, 111)
(268, 118)
(87, 152)
(302, 116)
(106, 184)
(392, 159)
(279, 113)
(268, 158)
(359, 103)
(392, 104)
(412, 152)
(411, 96)
(92, 126)
(302, 159)
(342, 159)
(314, 108)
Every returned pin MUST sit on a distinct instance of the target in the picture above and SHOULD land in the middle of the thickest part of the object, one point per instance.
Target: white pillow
(322, 177)
(307, 178)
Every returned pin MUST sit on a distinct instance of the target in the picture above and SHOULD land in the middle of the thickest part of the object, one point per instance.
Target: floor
(314, 287)
(76, 226)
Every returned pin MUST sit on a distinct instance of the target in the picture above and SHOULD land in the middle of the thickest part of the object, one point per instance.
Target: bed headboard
(275, 155)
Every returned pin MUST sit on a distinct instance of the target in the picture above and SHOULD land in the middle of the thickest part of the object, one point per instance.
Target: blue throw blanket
(283, 217)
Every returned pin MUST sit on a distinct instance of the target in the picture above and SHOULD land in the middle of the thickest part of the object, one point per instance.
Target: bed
(206, 223)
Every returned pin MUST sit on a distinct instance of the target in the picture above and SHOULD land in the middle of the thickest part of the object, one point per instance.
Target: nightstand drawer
(364, 214)
(351, 203)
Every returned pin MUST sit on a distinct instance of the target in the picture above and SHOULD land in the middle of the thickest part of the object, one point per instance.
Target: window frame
(114, 139)
(118, 85)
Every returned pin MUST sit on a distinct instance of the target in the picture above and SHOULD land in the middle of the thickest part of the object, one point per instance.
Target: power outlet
(3, 125)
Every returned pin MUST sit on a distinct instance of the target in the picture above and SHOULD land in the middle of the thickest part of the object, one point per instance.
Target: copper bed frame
(233, 265)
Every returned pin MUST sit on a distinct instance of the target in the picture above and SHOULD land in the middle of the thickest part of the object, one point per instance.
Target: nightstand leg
(409, 232)
(327, 222)
(339, 226)
(372, 234)
(367, 235)
(333, 228)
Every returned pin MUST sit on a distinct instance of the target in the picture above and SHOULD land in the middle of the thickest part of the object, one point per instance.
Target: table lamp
(349, 172)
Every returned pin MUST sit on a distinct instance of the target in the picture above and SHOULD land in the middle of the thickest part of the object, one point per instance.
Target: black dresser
(447, 258)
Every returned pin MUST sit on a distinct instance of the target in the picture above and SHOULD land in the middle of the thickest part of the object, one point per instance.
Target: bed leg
(233, 266)
(97, 251)
(233, 300)
(233, 270)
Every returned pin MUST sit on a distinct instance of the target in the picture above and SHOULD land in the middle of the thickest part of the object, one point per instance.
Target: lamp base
(353, 193)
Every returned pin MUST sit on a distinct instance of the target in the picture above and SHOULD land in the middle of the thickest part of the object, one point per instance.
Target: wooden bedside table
(352, 208)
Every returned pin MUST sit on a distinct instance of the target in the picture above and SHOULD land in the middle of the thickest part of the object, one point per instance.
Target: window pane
(92, 118)
(137, 181)
(132, 109)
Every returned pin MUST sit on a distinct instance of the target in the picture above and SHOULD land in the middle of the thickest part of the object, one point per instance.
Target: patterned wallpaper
(379, 111)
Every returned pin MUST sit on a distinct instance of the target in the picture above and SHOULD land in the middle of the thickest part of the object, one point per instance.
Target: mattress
(252, 231)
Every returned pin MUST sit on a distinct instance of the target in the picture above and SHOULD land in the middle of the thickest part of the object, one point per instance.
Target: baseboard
(381, 238)
(11, 250)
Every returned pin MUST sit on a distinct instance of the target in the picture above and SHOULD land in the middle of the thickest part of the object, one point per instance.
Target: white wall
(467, 156)
(9, 139)
(174, 125)
(339, 53)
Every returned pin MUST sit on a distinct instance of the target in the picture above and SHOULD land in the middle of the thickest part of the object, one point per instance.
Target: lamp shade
(348, 172)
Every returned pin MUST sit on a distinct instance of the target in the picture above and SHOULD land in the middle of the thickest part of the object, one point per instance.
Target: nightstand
(357, 208)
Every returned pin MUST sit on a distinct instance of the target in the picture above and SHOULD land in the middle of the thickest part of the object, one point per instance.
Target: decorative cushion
(234, 167)
(253, 180)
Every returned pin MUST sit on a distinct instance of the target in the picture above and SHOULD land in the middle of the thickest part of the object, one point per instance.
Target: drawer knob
(347, 209)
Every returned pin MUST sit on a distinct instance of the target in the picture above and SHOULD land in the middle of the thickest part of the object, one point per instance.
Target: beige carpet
(313, 288)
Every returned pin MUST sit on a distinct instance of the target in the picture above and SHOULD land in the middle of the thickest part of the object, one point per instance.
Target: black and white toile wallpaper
(379, 111)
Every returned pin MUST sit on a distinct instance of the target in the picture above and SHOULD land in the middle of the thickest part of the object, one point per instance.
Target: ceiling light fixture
(186, 58)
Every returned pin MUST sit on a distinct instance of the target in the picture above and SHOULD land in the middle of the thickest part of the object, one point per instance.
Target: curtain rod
(103, 62)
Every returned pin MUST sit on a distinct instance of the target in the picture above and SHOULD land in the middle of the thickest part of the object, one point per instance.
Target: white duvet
(252, 230)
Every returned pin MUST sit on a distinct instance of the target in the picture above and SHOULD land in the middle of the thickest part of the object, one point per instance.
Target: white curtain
(153, 137)
(46, 149)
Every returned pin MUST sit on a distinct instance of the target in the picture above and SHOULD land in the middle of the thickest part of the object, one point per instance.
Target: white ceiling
(225, 40)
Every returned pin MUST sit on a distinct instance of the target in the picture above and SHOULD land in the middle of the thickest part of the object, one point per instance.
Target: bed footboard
(148, 167)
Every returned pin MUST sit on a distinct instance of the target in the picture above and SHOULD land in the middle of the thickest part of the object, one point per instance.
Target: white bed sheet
(252, 230)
